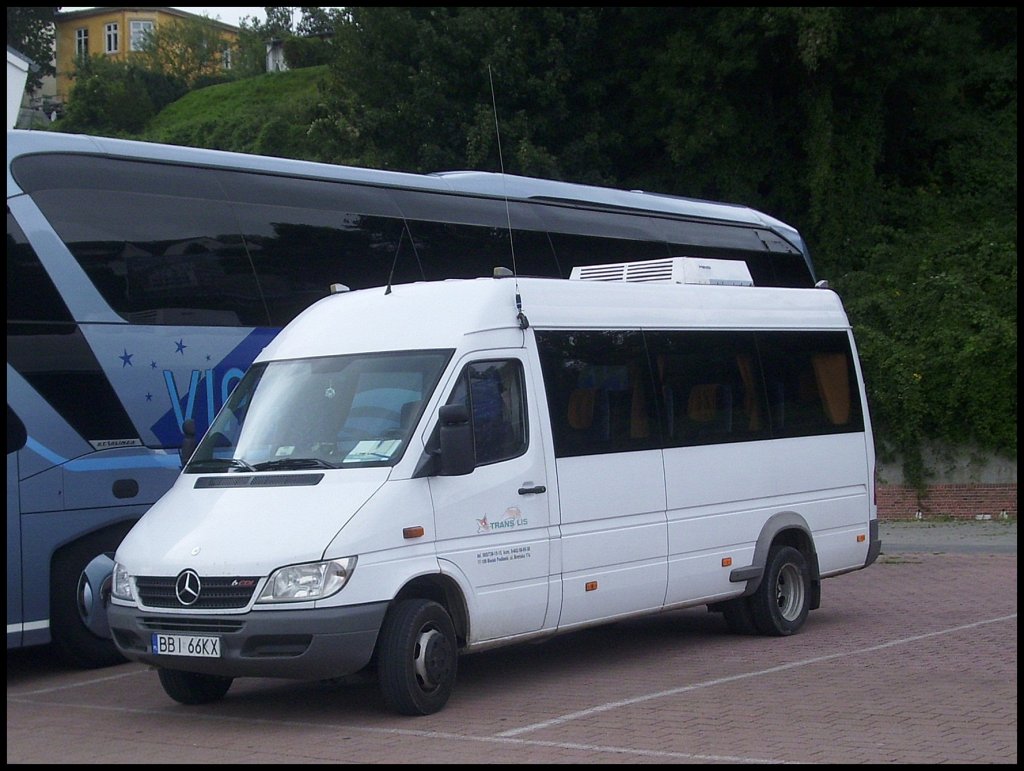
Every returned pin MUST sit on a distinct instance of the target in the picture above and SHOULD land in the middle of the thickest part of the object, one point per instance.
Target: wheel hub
(433, 658)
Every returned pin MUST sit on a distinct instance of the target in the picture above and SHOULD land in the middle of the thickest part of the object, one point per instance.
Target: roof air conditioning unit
(672, 270)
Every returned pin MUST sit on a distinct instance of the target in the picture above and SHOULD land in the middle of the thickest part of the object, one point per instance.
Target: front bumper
(296, 644)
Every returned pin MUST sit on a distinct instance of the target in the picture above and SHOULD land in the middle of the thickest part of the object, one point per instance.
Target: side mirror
(458, 455)
(188, 441)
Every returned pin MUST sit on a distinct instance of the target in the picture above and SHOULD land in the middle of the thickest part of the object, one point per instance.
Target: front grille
(217, 593)
(190, 625)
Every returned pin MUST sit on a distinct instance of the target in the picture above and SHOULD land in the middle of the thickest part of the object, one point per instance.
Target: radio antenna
(523, 322)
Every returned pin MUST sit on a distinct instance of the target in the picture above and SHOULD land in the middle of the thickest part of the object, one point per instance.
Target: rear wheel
(782, 601)
(193, 687)
(417, 657)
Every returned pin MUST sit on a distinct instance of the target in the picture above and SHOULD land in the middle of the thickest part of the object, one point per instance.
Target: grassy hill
(267, 114)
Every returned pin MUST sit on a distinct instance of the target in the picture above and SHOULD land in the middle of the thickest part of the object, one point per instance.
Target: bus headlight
(312, 581)
(121, 583)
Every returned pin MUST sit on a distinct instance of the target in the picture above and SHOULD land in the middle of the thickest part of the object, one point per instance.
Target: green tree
(193, 51)
(411, 89)
(30, 31)
(109, 98)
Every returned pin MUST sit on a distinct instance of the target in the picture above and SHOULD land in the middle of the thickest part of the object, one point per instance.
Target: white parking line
(69, 686)
(607, 707)
(439, 735)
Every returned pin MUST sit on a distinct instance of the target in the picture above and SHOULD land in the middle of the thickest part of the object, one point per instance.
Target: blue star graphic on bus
(126, 359)
(180, 347)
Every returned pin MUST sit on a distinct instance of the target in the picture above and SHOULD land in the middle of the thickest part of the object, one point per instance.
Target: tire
(739, 617)
(193, 687)
(71, 629)
(417, 657)
(782, 601)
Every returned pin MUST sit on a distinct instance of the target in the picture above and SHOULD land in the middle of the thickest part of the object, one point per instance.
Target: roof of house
(106, 10)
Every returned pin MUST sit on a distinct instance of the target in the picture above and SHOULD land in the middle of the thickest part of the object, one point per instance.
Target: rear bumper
(875, 545)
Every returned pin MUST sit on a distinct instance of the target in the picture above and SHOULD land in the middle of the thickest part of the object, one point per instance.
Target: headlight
(312, 581)
(121, 584)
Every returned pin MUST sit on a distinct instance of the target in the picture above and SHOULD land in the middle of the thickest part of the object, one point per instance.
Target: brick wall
(956, 501)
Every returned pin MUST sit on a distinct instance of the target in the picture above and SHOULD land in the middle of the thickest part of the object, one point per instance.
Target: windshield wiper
(219, 464)
(282, 463)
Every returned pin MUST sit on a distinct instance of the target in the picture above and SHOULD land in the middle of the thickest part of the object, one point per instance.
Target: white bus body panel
(593, 538)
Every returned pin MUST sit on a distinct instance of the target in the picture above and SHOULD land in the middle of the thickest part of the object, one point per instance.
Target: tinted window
(709, 387)
(16, 434)
(306, 234)
(58, 362)
(810, 383)
(575, 250)
(159, 241)
(467, 236)
(493, 391)
(599, 390)
(445, 250)
(31, 295)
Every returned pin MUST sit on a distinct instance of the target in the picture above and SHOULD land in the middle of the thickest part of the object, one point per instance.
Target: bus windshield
(331, 412)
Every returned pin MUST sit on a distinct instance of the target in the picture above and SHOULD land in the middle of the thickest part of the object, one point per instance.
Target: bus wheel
(417, 657)
(78, 626)
(193, 687)
(782, 601)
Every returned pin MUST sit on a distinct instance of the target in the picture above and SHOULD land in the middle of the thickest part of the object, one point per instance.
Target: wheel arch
(786, 528)
(443, 590)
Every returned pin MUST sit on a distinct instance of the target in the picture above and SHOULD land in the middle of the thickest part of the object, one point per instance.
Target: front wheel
(193, 687)
(782, 601)
(417, 657)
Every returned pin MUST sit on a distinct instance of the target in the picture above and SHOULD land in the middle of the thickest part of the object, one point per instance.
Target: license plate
(186, 645)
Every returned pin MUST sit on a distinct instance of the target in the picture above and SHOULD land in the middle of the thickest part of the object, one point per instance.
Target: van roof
(427, 315)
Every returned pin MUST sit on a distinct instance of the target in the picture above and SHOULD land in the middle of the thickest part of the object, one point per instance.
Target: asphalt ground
(962, 536)
(913, 660)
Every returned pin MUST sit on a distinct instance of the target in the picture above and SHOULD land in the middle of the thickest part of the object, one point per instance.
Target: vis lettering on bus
(205, 380)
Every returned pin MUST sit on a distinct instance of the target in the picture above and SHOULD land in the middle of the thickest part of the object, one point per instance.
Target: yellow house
(116, 32)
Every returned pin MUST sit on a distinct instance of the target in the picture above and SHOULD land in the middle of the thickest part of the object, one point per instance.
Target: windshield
(331, 412)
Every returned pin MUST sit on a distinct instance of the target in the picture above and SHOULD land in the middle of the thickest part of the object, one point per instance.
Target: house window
(225, 58)
(112, 42)
(81, 42)
(138, 32)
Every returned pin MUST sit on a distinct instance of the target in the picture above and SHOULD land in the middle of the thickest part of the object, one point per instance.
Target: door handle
(532, 490)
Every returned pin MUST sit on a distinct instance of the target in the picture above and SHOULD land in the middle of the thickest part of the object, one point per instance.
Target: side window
(82, 42)
(159, 241)
(139, 31)
(709, 387)
(599, 390)
(305, 235)
(493, 391)
(810, 383)
(112, 38)
(31, 295)
(16, 433)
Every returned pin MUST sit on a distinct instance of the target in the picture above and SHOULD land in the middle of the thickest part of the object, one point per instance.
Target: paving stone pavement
(913, 660)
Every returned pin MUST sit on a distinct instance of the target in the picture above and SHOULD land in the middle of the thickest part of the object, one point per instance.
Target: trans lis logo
(511, 519)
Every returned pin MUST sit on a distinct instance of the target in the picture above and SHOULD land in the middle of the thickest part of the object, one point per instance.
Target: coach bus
(143, 280)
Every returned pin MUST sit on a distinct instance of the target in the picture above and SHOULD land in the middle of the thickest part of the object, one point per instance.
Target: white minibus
(414, 472)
